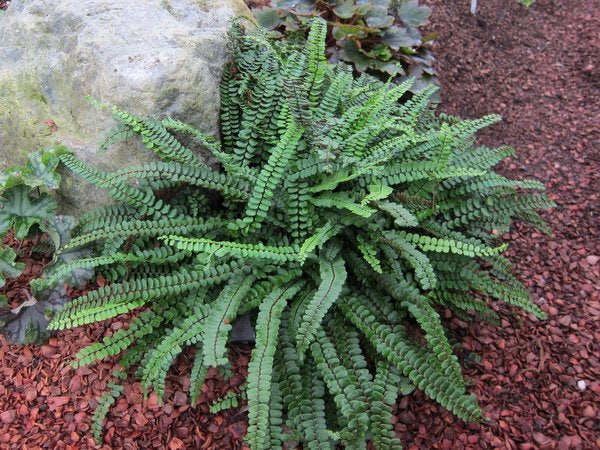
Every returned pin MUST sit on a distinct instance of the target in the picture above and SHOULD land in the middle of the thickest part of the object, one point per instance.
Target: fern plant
(336, 217)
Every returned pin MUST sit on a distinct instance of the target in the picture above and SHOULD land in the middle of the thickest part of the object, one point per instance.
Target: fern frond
(383, 397)
(181, 173)
(411, 361)
(157, 362)
(430, 323)
(224, 310)
(197, 375)
(231, 248)
(345, 391)
(269, 177)
(341, 200)
(121, 229)
(229, 400)
(119, 298)
(260, 367)
(402, 216)
(316, 63)
(143, 199)
(203, 139)
(156, 137)
(104, 404)
(369, 252)
(303, 394)
(333, 276)
(423, 269)
(139, 327)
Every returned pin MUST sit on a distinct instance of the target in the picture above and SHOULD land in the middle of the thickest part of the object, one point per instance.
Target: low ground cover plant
(379, 37)
(337, 217)
(28, 209)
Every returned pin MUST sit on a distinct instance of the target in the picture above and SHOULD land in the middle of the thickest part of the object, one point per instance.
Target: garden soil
(538, 381)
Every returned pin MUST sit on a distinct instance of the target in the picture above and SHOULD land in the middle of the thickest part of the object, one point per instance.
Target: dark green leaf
(350, 52)
(397, 37)
(345, 9)
(41, 168)
(268, 18)
(8, 267)
(21, 211)
(390, 67)
(10, 177)
(379, 18)
(27, 324)
(411, 13)
(60, 233)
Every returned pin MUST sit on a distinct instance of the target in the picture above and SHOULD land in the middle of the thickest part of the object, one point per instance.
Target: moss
(22, 104)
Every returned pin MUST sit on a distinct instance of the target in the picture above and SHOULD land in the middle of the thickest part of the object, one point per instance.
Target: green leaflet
(322, 235)
(377, 192)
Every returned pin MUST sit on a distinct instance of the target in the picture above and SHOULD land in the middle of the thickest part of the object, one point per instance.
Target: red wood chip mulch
(538, 382)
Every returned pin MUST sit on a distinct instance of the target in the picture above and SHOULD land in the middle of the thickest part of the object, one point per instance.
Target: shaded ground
(537, 67)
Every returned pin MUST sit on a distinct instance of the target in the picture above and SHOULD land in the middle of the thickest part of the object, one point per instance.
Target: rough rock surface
(150, 57)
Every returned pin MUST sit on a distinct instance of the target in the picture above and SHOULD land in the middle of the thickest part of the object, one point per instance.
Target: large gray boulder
(150, 57)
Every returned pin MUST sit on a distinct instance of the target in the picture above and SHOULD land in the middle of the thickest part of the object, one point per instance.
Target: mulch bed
(538, 382)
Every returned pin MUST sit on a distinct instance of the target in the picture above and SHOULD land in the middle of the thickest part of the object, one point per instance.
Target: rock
(180, 398)
(542, 440)
(150, 57)
(589, 411)
(242, 330)
(592, 259)
(565, 320)
(8, 416)
(176, 444)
